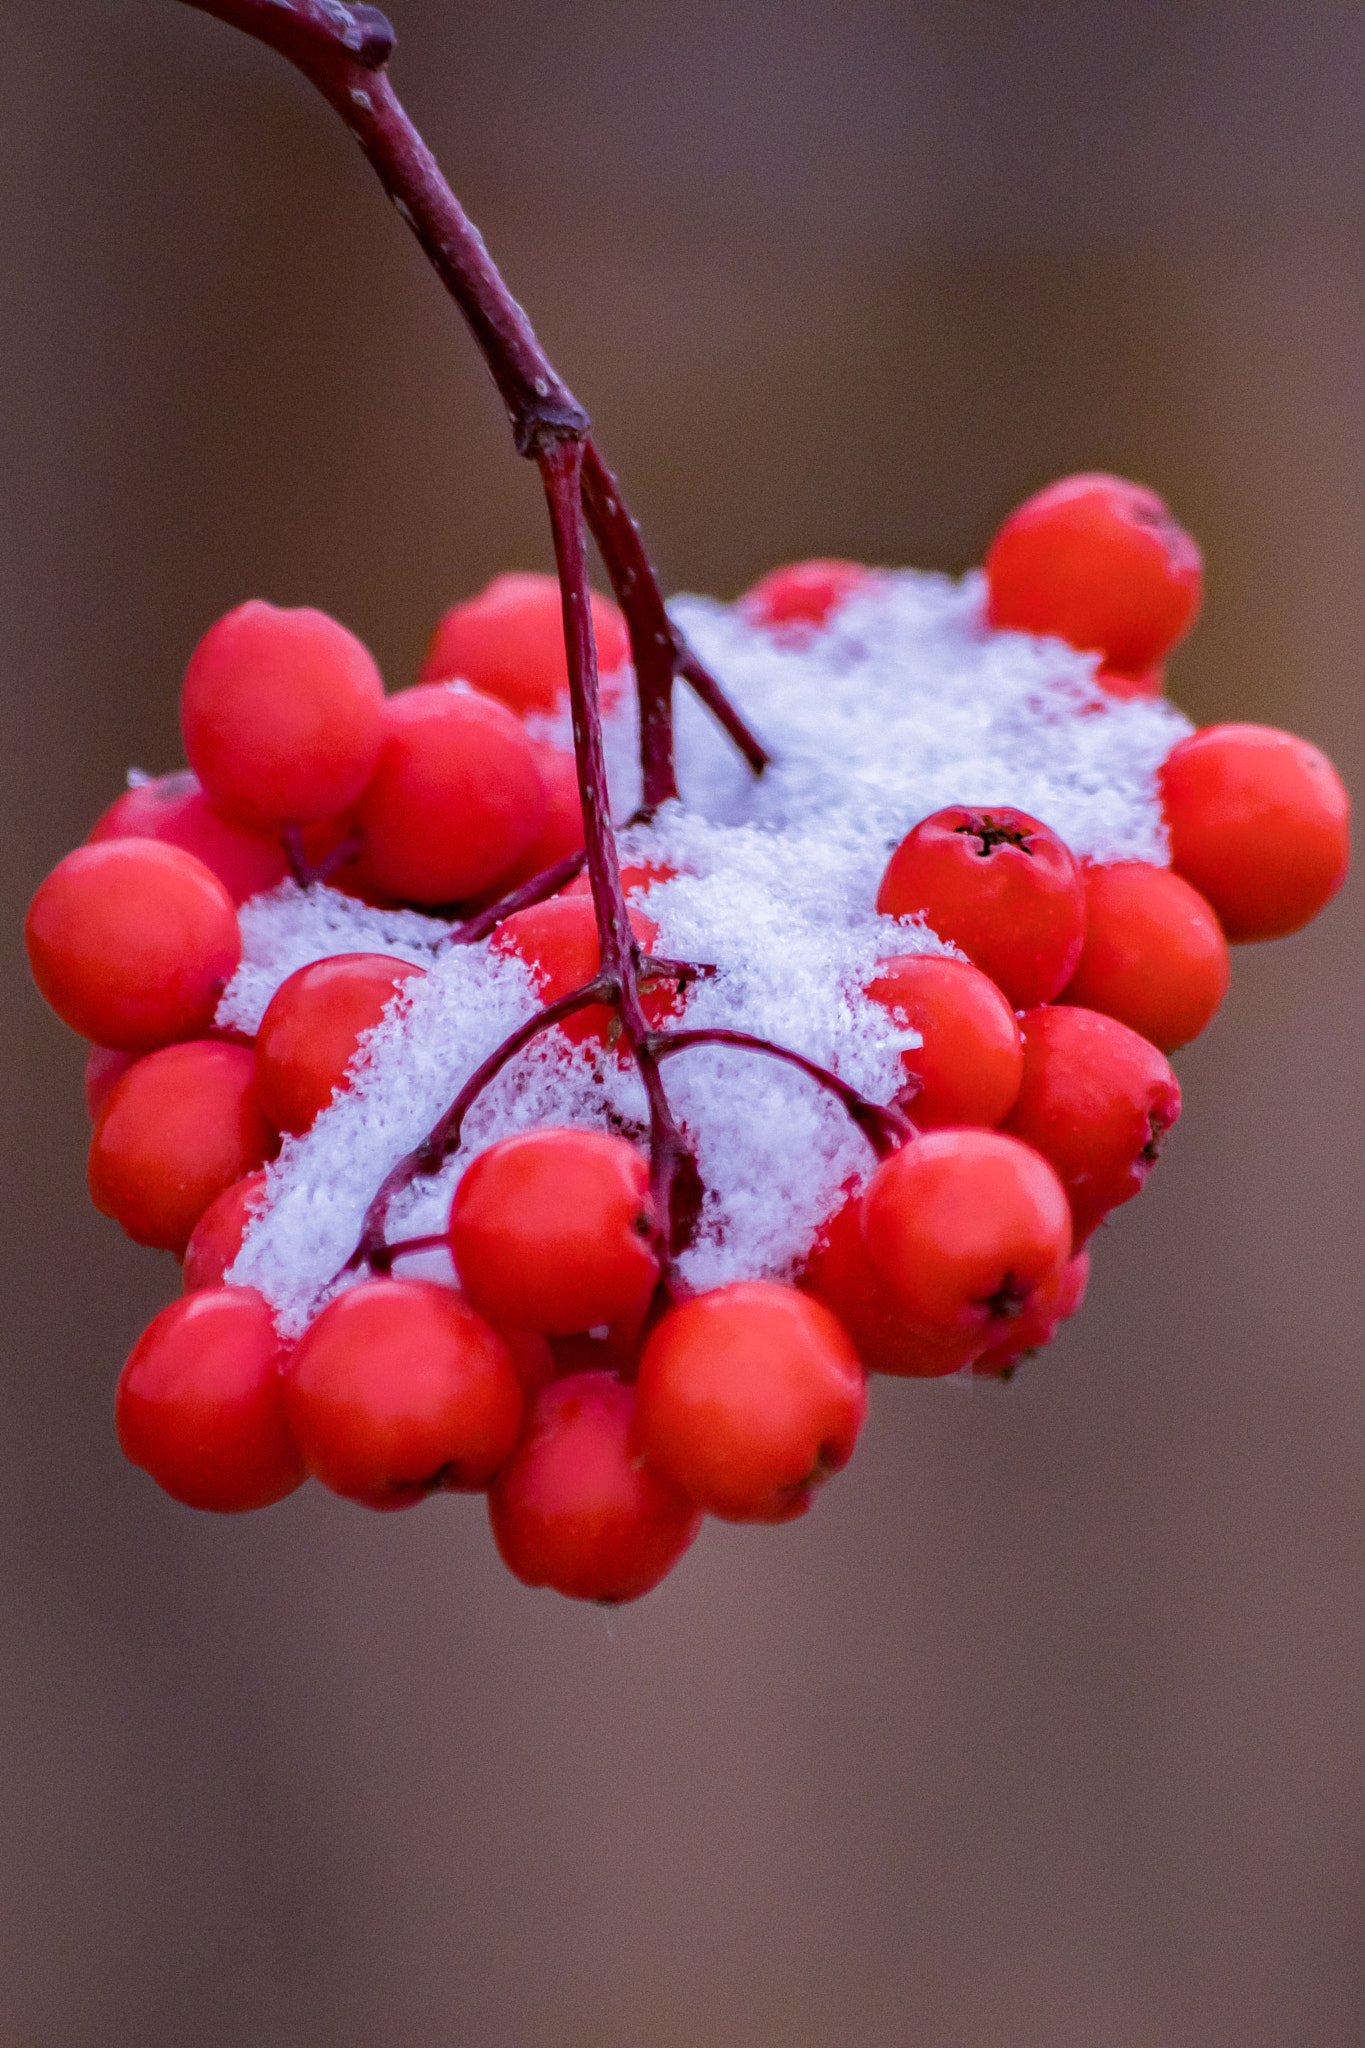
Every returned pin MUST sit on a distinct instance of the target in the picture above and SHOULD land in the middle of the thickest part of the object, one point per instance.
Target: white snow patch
(906, 702)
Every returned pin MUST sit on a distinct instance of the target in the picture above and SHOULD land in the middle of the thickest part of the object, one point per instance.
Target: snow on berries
(876, 1040)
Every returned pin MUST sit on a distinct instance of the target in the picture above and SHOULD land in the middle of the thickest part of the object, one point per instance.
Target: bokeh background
(1045, 1730)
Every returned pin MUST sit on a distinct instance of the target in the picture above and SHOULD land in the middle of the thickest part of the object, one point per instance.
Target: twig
(886, 1128)
(343, 50)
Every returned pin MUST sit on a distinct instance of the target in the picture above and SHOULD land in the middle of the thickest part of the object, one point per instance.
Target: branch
(886, 1128)
(343, 49)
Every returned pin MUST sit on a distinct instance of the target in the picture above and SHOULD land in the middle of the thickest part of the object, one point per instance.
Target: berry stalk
(343, 49)
(674, 1181)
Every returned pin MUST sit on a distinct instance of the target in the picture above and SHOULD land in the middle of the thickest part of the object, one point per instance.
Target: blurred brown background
(1045, 1730)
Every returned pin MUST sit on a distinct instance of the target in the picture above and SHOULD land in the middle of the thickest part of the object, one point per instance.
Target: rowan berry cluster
(559, 1360)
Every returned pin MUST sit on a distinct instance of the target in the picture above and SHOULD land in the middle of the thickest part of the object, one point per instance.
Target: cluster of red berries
(603, 1412)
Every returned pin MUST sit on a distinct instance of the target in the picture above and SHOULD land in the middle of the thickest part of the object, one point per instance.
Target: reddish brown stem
(432, 1242)
(343, 49)
(443, 1140)
(547, 883)
(674, 1180)
(305, 871)
(886, 1128)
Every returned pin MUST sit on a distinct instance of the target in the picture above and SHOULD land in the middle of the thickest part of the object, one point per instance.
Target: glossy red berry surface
(1154, 955)
(1039, 1322)
(200, 1404)
(175, 809)
(217, 1237)
(399, 1390)
(1260, 823)
(967, 1069)
(1098, 562)
(311, 1031)
(749, 1398)
(795, 599)
(842, 1273)
(561, 826)
(1097, 1101)
(637, 877)
(282, 714)
(964, 1227)
(455, 798)
(1001, 887)
(509, 642)
(558, 941)
(133, 943)
(577, 1508)
(181, 1126)
(555, 1230)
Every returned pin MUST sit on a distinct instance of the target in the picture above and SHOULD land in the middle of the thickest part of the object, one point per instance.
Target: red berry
(282, 715)
(1098, 562)
(217, 1237)
(456, 797)
(1259, 823)
(964, 1226)
(1002, 888)
(175, 809)
(200, 1404)
(576, 1508)
(1039, 1322)
(561, 828)
(1097, 1101)
(312, 1028)
(1154, 956)
(1151, 683)
(796, 599)
(638, 876)
(509, 642)
(842, 1273)
(967, 1069)
(555, 1230)
(558, 942)
(532, 1358)
(133, 943)
(180, 1127)
(102, 1069)
(749, 1398)
(399, 1390)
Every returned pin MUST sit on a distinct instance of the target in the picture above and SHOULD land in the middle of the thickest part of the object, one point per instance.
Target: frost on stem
(343, 50)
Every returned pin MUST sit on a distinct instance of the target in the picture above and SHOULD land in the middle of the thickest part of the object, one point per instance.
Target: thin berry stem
(432, 1242)
(674, 1181)
(343, 50)
(306, 871)
(539, 889)
(885, 1127)
(443, 1140)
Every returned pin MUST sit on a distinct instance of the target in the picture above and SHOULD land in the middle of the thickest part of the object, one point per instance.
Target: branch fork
(344, 49)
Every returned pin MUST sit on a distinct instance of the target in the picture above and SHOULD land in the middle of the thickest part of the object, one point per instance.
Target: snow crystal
(291, 927)
(904, 703)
